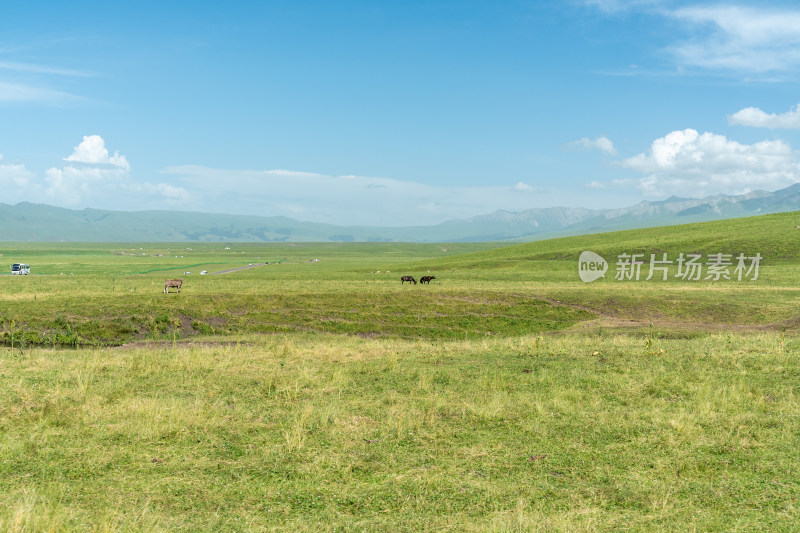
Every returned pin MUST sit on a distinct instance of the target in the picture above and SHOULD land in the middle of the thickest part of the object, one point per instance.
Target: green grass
(96, 295)
(309, 433)
(311, 395)
(111, 294)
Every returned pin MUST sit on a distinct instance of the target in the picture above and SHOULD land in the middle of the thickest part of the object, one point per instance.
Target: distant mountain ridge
(39, 222)
(541, 223)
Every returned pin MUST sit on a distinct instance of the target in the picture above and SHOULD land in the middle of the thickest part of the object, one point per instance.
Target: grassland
(305, 395)
(112, 295)
(300, 433)
(106, 298)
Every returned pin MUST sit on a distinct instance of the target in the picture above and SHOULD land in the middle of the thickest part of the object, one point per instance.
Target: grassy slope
(548, 269)
(775, 237)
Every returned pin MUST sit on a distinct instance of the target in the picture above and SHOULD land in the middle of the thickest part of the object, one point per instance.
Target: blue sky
(402, 113)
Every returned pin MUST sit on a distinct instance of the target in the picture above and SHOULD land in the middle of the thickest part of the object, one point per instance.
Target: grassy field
(106, 294)
(317, 392)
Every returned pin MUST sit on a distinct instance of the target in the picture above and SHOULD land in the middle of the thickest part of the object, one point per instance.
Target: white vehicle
(19, 269)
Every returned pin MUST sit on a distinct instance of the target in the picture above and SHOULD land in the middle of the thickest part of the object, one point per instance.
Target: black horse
(408, 278)
(426, 279)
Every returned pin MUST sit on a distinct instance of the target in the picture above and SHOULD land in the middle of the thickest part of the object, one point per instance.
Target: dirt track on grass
(238, 269)
(612, 322)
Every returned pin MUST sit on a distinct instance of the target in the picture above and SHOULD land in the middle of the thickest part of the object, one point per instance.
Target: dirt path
(238, 269)
(609, 321)
(551, 301)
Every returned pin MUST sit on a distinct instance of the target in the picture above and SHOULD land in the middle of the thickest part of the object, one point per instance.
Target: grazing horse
(172, 283)
(426, 279)
(408, 278)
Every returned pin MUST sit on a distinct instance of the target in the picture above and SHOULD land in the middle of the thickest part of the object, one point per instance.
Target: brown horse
(172, 283)
(408, 278)
(426, 279)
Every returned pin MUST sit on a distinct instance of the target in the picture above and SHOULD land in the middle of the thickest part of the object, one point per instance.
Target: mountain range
(39, 222)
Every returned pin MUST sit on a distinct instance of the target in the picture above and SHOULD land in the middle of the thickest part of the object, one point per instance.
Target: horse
(408, 278)
(172, 283)
(426, 279)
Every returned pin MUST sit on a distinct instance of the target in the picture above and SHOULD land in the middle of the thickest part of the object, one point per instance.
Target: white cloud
(603, 144)
(171, 192)
(753, 116)
(688, 163)
(34, 83)
(295, 174)
(73, 186)
(613, 184)
(15, 181)
(90, 178)
(613, 6)
(344, 200)
(522, 187)
(93, 150)
(745, 40)
(155, 196)
(740, 38)
(79, 187)
(41, 69)
(13, 92)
